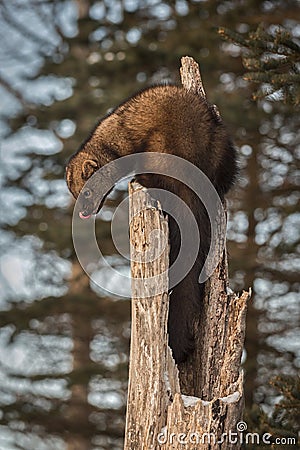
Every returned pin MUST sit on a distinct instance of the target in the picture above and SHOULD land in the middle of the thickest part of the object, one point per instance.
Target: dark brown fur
(165, 119)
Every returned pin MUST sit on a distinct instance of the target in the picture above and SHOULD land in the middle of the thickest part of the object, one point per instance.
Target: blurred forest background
(64, 343)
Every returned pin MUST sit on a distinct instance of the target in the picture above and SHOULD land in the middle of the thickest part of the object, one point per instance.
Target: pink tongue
(84, 217)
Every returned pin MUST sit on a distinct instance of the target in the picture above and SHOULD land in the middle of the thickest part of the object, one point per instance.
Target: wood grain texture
(149, 387)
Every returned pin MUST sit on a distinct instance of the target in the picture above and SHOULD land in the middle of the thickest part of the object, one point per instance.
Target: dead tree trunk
(199, 404)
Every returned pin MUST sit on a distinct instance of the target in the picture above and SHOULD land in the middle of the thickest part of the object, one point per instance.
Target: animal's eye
(87, 193)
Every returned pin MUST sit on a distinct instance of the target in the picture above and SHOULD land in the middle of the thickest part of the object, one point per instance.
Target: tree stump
(198, 404)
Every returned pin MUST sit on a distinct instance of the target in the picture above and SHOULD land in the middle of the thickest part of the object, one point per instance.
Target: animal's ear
(89, 166)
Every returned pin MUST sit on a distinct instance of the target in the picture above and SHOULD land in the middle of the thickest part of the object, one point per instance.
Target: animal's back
(169, 119)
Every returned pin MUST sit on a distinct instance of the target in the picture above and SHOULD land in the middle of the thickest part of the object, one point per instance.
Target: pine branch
(271, 60)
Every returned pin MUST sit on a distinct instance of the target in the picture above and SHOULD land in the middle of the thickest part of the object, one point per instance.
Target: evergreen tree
(283, 424)
(272, 60)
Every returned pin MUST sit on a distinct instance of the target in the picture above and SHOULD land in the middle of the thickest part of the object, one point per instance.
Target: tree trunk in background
(252, 343)
(78, 409)
(77, 413)
(83, 7)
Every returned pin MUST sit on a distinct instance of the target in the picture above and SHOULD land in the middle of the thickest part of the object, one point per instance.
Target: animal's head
(79, 169)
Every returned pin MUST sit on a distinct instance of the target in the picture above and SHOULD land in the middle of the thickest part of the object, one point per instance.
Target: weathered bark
(150, 355)
(211, 379)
